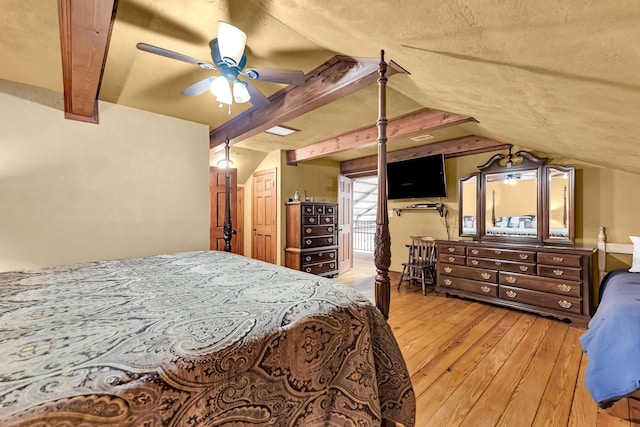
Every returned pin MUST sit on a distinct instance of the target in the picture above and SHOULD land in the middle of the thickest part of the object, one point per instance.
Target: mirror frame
(569, 201)
(521, 161)
(461, 182)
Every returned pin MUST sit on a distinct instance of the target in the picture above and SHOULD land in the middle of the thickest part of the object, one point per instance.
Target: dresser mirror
(517, 197)
(468, 191)
(560, 184)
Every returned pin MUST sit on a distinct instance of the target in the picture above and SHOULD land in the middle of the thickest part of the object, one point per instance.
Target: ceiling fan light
(220, 88)
(240, 92)
(231, 42)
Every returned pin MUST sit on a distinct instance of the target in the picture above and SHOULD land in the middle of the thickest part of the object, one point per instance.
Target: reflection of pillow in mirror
(514, 222)
(635, 263)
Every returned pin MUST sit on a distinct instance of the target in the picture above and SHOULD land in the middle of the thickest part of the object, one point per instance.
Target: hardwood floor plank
(554, 407)
(525, 400)
(583, 408)
(456, 409)
(434, 387)
(495, 397)
(444, 333)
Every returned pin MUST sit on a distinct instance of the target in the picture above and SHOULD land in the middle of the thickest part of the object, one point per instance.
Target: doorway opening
(365, 205)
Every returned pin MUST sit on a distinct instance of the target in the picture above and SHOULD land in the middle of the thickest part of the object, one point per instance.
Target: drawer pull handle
(332, 255)
(308, 258)
(485, 289)
(564, 287)
(498, 252)
(308, 269)
(312, 220)
(485, 275)
(475, 262)
(328, 219)
(452, 249)
(308, 230)
(448, 269)
(558, 272)
(564, 304)
(510, 279)
(558, 259)
(309, 210)
(524, 267)
(308, 241)
(448, 282)
(330, 229)
(498, 263)
(524, 256)
(332, 265)
(474, 251)
(511, 294)
(330, 240)
(451, 259)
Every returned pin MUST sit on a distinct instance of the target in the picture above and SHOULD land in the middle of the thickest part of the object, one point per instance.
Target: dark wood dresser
(549, 280)
(312, 238)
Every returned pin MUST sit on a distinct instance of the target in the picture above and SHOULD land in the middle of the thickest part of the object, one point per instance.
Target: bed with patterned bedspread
(194, 339)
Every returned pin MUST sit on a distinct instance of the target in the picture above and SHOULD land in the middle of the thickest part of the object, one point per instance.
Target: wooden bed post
(382, 251)
(227, 228)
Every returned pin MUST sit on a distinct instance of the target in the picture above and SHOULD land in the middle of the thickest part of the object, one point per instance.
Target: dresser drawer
(542, 284)
(329, 210)
(489, 289)
(322, 267)
(497, 264)
(327, 219)
(506, 254)
(320, 256)
(451, 249)
(317, 230)
(309, 209)
(314, 242)
(311, 219)
(452, 259)
(484, 275)
(565, 260)
(560, 272)
(541, 299)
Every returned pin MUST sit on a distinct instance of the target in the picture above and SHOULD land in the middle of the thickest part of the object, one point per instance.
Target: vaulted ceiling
(554, 76)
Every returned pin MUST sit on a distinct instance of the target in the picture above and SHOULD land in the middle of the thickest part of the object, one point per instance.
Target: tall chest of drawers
(312, 238)
(548, 280)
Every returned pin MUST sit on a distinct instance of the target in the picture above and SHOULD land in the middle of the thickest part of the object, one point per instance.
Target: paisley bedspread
(194, 339)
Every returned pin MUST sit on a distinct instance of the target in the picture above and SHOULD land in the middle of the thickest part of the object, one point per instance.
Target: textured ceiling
(559, 77)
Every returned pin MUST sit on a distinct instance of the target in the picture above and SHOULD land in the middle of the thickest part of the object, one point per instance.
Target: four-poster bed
(200, 338)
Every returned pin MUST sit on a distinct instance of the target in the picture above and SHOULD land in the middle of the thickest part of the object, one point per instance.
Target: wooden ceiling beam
(464, 146)
(418, 121)
(335, 79)
(85, 31)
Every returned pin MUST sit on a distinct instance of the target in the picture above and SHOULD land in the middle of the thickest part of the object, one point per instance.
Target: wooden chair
(422, 262)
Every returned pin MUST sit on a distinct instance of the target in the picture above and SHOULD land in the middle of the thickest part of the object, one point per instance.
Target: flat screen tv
(419, 178)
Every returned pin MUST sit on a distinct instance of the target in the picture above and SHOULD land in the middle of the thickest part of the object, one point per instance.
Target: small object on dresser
(296, 196)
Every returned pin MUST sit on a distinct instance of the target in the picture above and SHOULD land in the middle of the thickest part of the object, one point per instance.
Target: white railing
(364, 233)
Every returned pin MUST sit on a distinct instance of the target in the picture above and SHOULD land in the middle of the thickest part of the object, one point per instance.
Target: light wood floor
(475, 364)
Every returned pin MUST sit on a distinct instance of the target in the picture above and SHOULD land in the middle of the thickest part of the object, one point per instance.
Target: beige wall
(136, 184)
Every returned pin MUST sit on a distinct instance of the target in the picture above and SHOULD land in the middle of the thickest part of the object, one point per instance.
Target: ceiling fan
(228, 55)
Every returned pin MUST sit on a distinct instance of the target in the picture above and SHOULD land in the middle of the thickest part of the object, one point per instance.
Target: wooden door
(263, 214)
(217, 197)
(345, 220)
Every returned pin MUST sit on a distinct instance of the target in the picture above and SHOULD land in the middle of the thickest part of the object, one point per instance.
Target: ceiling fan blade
(295, 77)
(257, 98)
(198, 88)
(174, 55)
